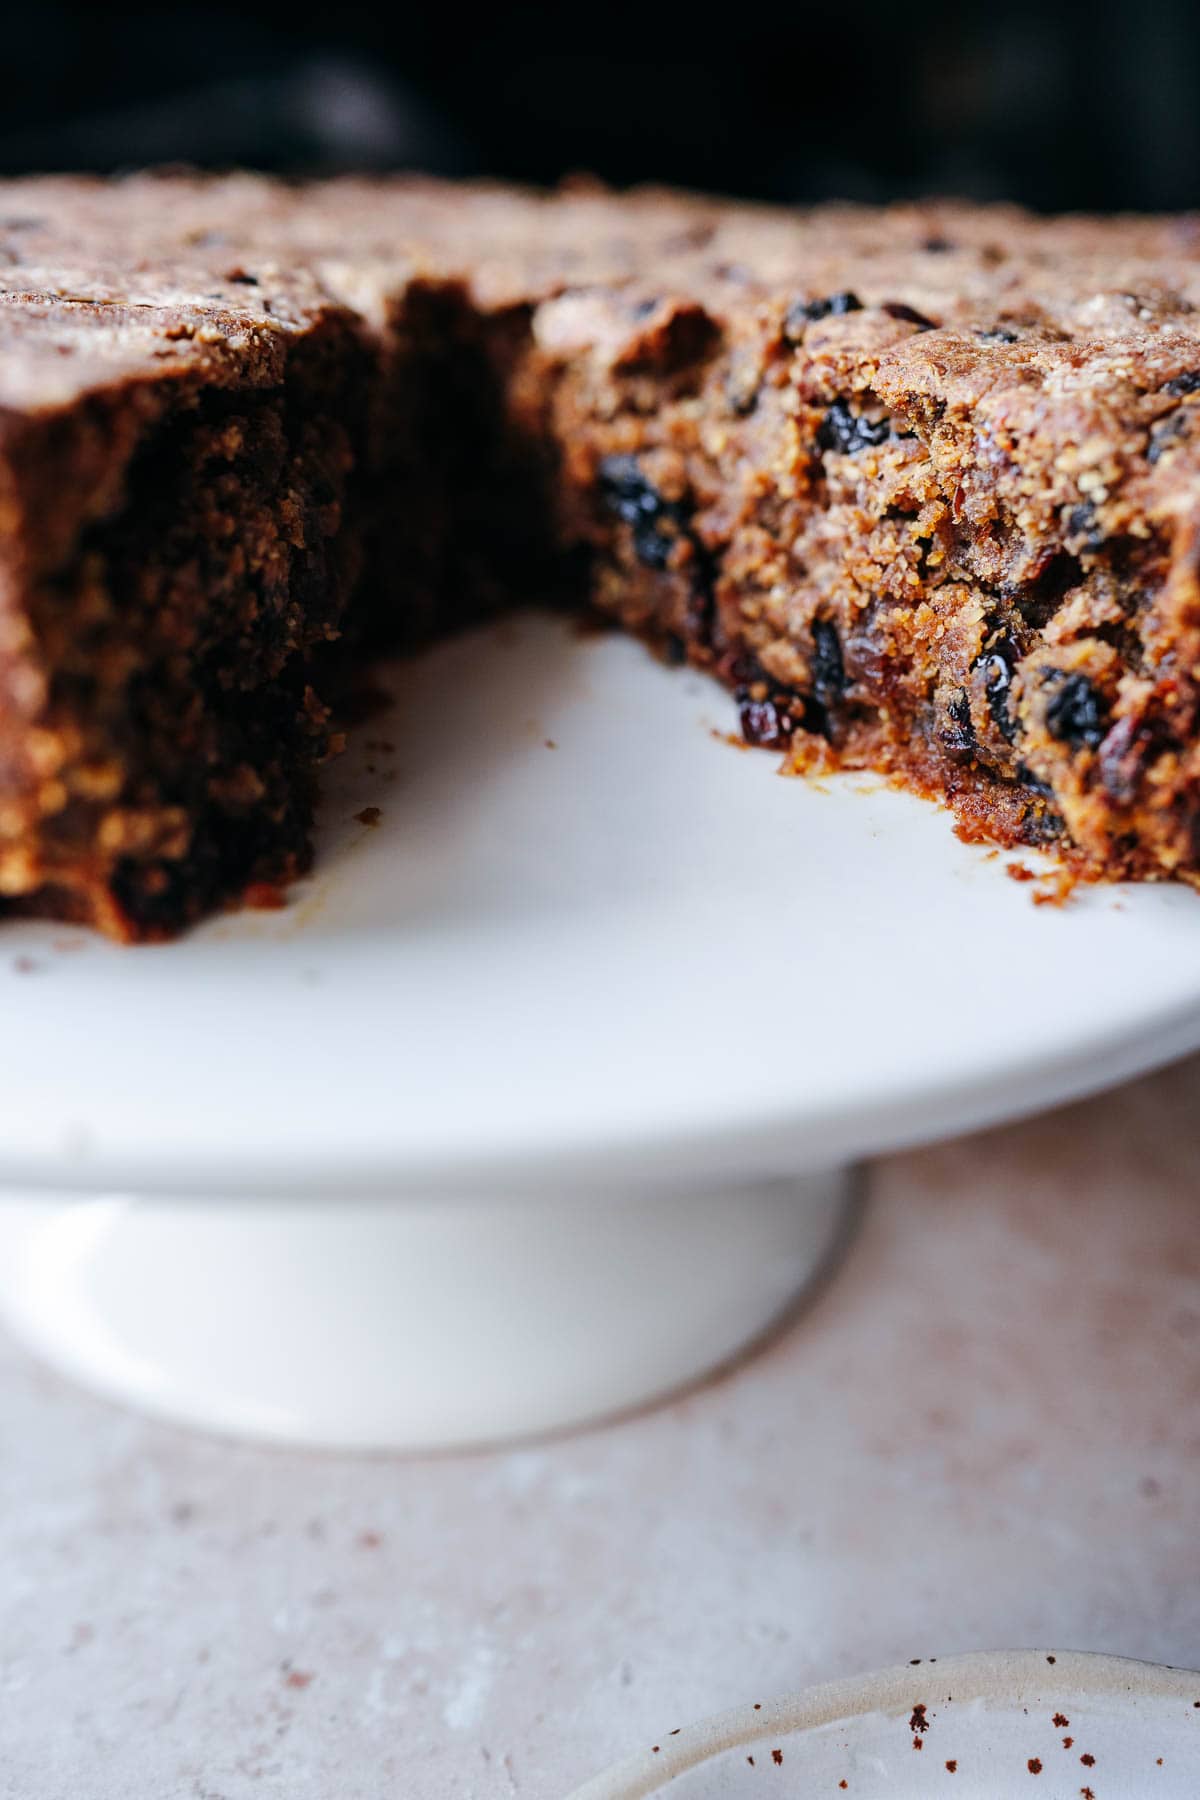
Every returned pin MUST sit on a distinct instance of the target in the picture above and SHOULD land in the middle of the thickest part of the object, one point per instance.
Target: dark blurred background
(1059, 105)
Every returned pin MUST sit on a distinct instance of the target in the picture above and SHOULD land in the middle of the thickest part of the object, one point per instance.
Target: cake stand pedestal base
(407, 1323)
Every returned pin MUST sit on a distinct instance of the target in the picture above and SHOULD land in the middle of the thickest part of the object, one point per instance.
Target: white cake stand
(536, 1101)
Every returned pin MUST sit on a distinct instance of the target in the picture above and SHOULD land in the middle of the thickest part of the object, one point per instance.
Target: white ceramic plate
(581, 950)
(639, 949)
(1026, 1725)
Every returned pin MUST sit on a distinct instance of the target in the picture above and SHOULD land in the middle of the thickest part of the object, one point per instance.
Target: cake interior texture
(921, 485)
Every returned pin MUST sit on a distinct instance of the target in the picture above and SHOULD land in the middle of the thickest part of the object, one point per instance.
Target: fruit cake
(920, 484)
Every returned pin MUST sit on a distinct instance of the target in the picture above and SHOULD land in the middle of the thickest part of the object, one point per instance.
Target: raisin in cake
(921, 484)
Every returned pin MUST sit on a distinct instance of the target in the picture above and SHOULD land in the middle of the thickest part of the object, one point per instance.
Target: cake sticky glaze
(920, 484)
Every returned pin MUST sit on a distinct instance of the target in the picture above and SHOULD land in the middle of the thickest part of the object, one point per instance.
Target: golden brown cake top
(107, 277)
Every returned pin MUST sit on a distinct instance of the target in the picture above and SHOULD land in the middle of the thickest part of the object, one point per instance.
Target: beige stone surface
(985, 1432)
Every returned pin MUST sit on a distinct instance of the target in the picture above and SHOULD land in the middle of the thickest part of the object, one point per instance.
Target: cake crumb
(264, 896)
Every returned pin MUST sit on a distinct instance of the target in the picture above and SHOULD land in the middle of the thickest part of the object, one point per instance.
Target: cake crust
(921, 484)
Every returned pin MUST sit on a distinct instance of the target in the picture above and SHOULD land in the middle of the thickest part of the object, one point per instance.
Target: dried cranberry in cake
(656, 523)
(764, 724)
(958, 733)
(1076, 714)
(827, 681)
(898, 309)
(998, 664)
(846, 431)
(806, 312)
